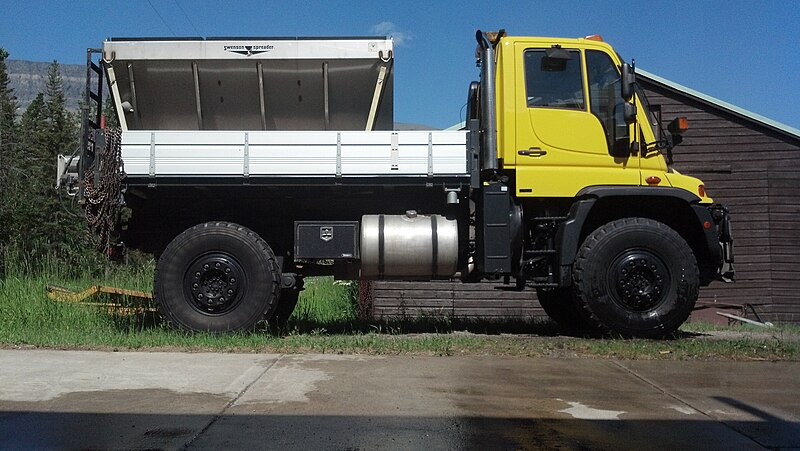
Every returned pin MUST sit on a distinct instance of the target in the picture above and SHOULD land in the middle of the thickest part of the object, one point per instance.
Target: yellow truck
(246, 165)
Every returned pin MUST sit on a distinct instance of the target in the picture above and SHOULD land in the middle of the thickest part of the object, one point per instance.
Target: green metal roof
(775, 125)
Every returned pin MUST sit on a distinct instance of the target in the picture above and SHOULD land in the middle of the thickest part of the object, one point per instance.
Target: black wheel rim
(639, 280)
(215, 283)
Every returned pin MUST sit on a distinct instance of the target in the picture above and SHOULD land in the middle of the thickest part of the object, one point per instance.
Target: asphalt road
(101, 400)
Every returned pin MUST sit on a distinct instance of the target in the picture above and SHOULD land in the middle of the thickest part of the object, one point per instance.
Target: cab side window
(551, 83)
(605, 96)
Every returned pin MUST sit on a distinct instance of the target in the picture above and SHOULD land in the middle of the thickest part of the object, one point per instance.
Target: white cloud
(389, 29)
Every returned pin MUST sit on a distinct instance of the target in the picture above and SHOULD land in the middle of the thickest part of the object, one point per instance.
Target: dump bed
(252, 84)
(268, 108)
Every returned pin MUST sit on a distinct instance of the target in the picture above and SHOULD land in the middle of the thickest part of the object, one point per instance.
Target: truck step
(530, 284)
(549, 218)
(540, 252)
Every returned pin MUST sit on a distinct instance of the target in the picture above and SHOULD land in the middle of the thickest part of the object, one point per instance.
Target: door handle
(533, 152)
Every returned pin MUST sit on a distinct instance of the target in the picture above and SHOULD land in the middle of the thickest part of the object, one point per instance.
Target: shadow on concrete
(72, 430)
(769, 430)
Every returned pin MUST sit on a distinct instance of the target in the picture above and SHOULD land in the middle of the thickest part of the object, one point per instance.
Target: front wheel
(636, 277)
(216, 277)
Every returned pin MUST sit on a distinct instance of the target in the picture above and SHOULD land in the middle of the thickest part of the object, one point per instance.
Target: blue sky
(743, 52)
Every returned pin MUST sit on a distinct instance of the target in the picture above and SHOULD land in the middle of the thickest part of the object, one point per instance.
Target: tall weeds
(28, 316)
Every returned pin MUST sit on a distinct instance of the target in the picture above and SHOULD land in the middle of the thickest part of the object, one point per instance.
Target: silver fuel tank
(409, 246)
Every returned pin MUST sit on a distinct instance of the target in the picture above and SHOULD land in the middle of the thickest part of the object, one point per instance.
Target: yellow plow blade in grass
(139, 301)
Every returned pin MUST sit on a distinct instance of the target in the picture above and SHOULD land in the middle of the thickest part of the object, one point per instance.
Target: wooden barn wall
(750, 168)
(490, 300)
(784, 226)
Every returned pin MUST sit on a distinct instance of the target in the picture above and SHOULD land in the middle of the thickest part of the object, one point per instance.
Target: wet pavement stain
(583, 412)
(283, 384)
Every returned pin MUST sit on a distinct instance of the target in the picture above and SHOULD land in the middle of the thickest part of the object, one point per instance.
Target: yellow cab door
(565, 138)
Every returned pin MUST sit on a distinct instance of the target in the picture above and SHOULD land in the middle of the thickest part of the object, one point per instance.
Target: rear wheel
(636, 277)
(216, 277)
(561, 306)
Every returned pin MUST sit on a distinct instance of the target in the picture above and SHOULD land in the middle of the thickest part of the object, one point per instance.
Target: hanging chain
(103, 197)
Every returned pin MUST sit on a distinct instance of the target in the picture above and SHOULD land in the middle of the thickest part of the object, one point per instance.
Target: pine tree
(60, 122)
(23, 203)
(39, 221)
(59, 126)
(8, 138)
(33, 219)
(8, 104)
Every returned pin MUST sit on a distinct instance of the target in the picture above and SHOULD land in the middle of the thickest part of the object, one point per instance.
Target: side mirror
(624, 115)
(628, 81)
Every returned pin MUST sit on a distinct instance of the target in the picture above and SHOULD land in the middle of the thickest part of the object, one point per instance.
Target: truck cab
(586, 160)
(562, 124)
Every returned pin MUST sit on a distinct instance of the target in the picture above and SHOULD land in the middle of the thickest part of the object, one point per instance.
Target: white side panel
(136, 159)
(293, 160)
(450, 158)
(377, 159)
(211, 160)
(292, 153)
(283, 138)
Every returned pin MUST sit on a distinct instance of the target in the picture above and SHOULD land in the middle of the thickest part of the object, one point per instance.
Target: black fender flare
(568, 234)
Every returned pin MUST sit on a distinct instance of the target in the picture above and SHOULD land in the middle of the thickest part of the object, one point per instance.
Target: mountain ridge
(29, 78)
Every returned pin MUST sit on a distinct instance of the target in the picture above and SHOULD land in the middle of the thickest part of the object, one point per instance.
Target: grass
(325, 322)
(324, 300)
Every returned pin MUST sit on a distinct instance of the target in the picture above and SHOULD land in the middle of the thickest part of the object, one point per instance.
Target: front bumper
(716, 260)
(722, 219)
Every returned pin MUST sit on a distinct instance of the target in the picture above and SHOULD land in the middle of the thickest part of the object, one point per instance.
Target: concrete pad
(105, 400)
(43, 375)
(56, 399)
(761, 400)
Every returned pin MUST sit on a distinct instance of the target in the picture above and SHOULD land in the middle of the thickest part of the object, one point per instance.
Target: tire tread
(263, 247)
(583, 260)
